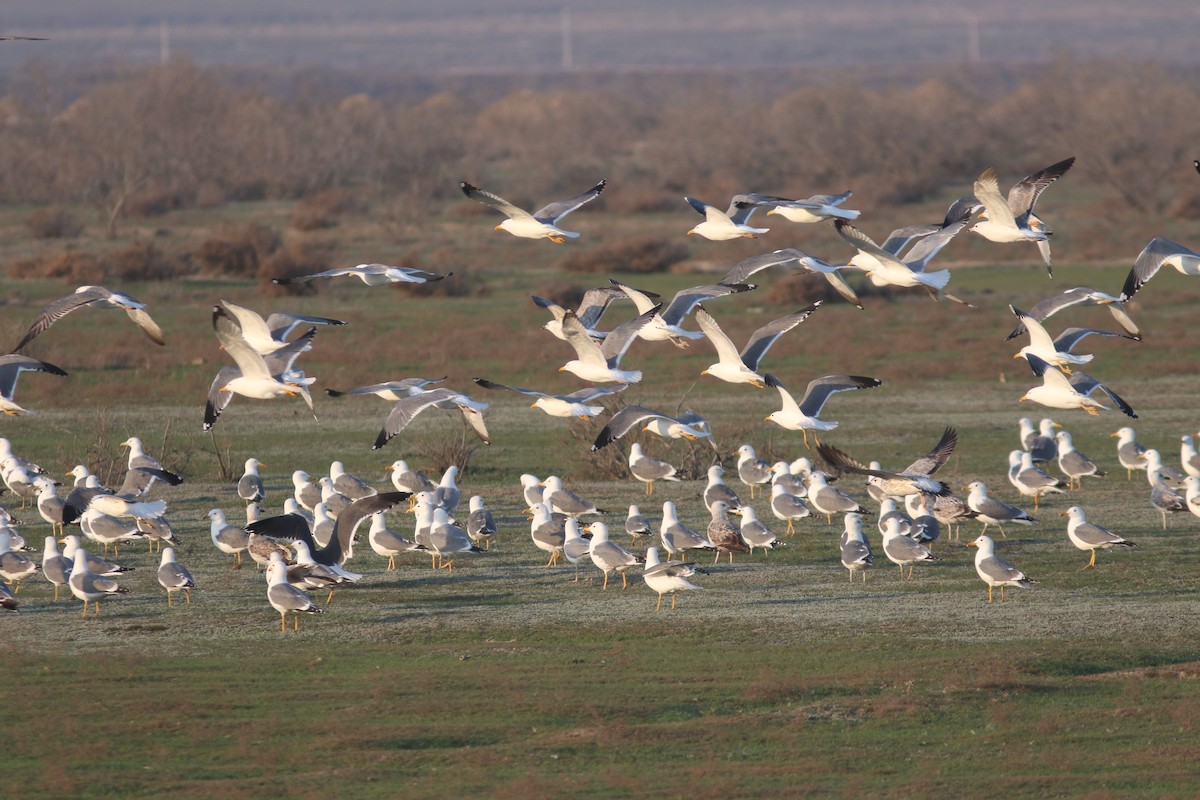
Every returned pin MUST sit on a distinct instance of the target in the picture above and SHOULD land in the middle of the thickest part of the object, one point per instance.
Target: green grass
(508, 679)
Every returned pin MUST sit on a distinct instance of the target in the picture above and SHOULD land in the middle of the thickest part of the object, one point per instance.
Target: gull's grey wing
(932, 461)
(861, 241)
(1086, 384)
(740, 209)
(1070, 337)
(589, 393)
(12, 365)
(998, 569)
(406, 409)
(586, 348)
(623, 422)
(138, 479)
(687, 299)
(726, 350)
(901, 237)
(217, 399)
(553, 212)
(931, 245)
(820, 389)
(1150, 261)
(146, 324)
(281, 323)
(349, 518)
(987, 192)
(281, 360)
(619, 338)
(495, 201)
(762, 339)
(486, 384)
(1023, 196)
(700, 206)
(228, 328)
(748, 266)
(595, 302)
(59, 309)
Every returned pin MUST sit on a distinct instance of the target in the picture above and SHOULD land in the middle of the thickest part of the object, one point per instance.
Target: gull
(994, 570)
(386, 543)
(719, 226)
(390, 390)
(1088, 536)
(677, 537)
(1033, 481)
(787, 507)
(717, 490)
(531, 491)
(566, 502)
(755, 533)
(229, 539)
(96, 564)
(1158, 253)
(666, 325)
(636, 525)
(548, 531)
(49, 504)
(143, 470)
(648, 470)
(173, 576)
(964, 209)
(901, 550)
(541, 224)
(481, 525)
(742, 367)
(1074, 464)
(600, 363)
(7, 601)
(108, 529)
(829, 500)
(270, 335)
(817, 208)
(688, 426)
(608, 556)
(447, 539)
(304, 491)
(781, 474)
(752, 470)
(1129, 452)
(593, 305)
(321, 576)
(952, 511)
(1079, 296)
(1059, 391)
(14, 567)
(890, 509)
(575, 548)
(855, 550)
(11, 367)
(1164, 499)
(668, 577)
(991, 511)
(1039, 441)
(804, 416)
(370, 274)
(250, 485)
(294, 528)
(1189, 458)
(97, 297)
(1158, 472)
(915, 478)
(88, 586)
(924, 527)
(256, 376)
(1056, 351)
(409, 480)
(724, 535)
(407, 408)
(332, 503)
(348, 485)
(1013, 220)
(285, 598)
(1192, 494)
(887, 269)
(55, 566)
(574, 404)
(788, 256)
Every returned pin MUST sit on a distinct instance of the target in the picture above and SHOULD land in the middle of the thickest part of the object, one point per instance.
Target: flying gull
(574, 404)
(742, 367)
(1013, 220)
(1079, 296)
(667, 324)
(97, 297)
(803, 416)
(406, 409)
(1158, 253)
(541, 224)
(721, 225)
(689, 426)
(1059, 391)
(11, 367)
(370, 274)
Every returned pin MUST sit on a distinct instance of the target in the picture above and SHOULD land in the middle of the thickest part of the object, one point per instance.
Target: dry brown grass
(641, 255)
(53, 222)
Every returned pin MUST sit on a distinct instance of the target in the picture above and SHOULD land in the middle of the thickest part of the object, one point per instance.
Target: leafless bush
(238, 250)
(52, 223)
(441, 450)
(209, 194)
(156, 199)
(142, 261)
(322, 209)
(294, 258)
(641, 255)
(79, 268)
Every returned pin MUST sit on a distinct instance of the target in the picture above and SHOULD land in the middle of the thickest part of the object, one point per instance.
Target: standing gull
(88, 586)
(787, 507)
(1088, 536)
(724, 535)
(829, 500)
(1074, 464)
(991, 511)
(677, 537)
(1129, 452)
(994, 570)
(752, 470)
(1189, 458)
(481, 525)
(755, 533)
(901, 550)
(174, 577)
(285, 598)
(55, 566)
(855, 550)
(250, 485)
(541, 224)
(668, 577)
(608, 556)
(718, 490)
(648, 470)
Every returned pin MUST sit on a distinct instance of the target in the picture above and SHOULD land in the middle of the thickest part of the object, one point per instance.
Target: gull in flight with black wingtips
(541, 224)
(1013, 220)
(97, 297)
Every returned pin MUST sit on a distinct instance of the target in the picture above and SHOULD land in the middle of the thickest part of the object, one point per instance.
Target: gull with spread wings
(541, 224)
(97, 297)
(913, 479)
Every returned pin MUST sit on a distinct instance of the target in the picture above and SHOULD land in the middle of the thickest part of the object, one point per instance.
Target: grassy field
(506, 678)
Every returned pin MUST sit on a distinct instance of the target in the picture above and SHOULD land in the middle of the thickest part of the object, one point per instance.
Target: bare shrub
(1187, 206)
(209, 194)
(52, 223)
(81, 268)
(322, 210)
(145, 262)
(238, 250)
(156, 199)
(642, 255)
(442, 450)
(294, 258)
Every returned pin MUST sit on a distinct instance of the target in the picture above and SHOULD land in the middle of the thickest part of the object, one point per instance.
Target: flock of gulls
(306, 548)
